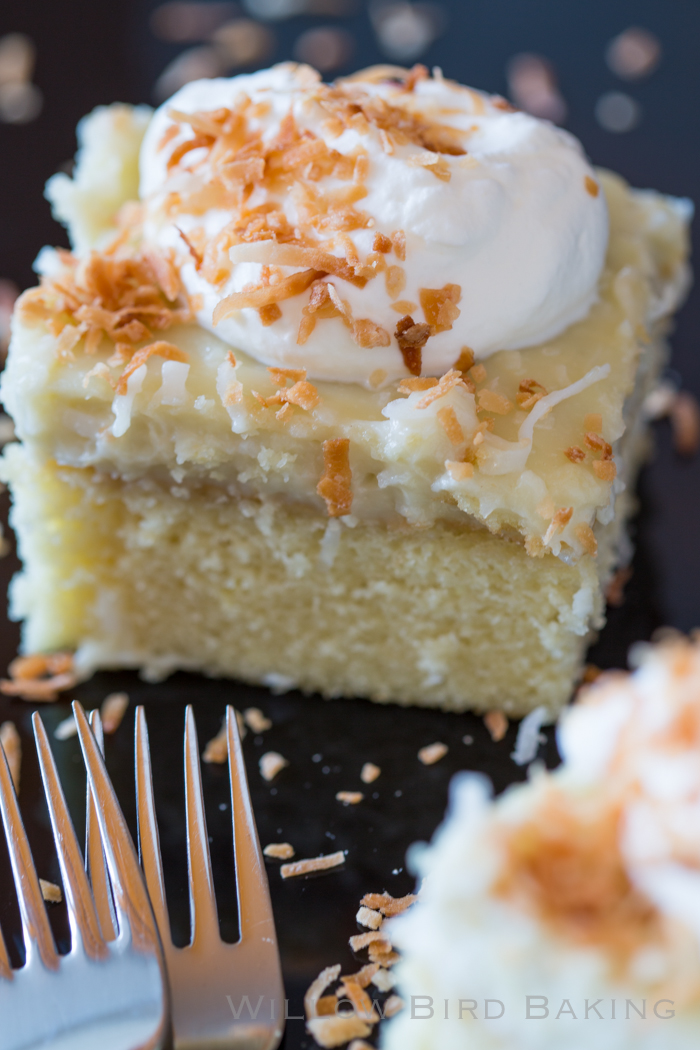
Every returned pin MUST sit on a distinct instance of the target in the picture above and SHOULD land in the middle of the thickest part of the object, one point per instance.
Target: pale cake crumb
(271, 763)
(349, 798)
(256, 721)
(369, 918)
(12, 746)
(393, 1004)
(432, 753)
(279, 850)
(113, 710)
(66, 729)
(497, 725)
(50, 892)
(369, 773)
(305, 867)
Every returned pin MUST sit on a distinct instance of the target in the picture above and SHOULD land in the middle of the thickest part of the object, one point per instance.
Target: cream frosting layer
(501, 209)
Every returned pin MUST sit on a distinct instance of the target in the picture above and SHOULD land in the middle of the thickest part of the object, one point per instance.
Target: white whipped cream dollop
(498, 207)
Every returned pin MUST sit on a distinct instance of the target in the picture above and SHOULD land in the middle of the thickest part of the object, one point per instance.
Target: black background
(92, 53)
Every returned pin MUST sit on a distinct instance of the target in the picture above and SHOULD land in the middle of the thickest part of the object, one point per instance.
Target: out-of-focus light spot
(17, 54)
(20, 103)
(197, 63)
(325, 48)
(243, 42)
(633, 54)
(532, 85)
(406, 30)
(617, 112)
(179, 22)
(275, 10)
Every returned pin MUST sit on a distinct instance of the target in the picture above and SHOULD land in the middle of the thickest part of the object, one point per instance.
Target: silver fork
(223, 995)
(112, 996)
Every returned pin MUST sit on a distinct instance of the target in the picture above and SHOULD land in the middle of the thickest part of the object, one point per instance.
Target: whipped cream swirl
(417, 202)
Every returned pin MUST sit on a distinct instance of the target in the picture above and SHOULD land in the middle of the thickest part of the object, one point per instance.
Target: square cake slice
(319, 404)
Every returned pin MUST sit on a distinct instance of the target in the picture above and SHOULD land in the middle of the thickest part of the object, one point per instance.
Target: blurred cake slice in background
(565, 914)
(340, 388)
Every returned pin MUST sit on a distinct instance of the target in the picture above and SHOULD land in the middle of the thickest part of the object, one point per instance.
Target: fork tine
(35, 922)
(203, 914)
(5, 968)
(254, 905)
(95, 854)
(85, 926)
(149, 839)
(131, 897)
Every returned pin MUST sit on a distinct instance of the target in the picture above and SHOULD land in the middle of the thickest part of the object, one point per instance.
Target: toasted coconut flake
(497, 724)
(395, 278)
(318, 987)
(411, 338)
(369, 773)
(377, 377)
(398, 239)
(447, 419)
(432, 753)
(685, 421)
(363, 940)
(101, 371)
(113, 710)
(615, 590)
(558, 522)
(256, 721)
(159, 349)
(490, 401)
(384, 980)
(440, 306)
(306, 867)
(593, 421)
(279, 850)
(367, 334)
(408, 386)
(303, 394)
(449, 380)
(388, 905)
(605, 469)
(336, 480)
(40, 678)
(50, 892)
(586, 537)
(280, 376)
(393, 1005)
(381, 243)
(591, 185)
(361, 1002)
(459, 471)
(598, 444)
(271, 763)
(478, 373)
(233, 393)
(369, 918)
(330, 1032)
(465, 361)
(66, 729)
(404, 306)
(327, 1006)
(269, 314)
(377, 953)
(216, 750)
(575, 454)
(262, 296)
(364, 976)
(349, 798)
(12, 746)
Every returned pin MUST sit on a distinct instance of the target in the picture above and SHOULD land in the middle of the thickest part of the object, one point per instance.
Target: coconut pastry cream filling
(577, 888)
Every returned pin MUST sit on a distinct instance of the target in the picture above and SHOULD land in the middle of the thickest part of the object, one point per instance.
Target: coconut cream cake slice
(340, 388)
(565, 914)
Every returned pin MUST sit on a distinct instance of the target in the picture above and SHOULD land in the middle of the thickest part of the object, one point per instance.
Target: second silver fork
(223, 995)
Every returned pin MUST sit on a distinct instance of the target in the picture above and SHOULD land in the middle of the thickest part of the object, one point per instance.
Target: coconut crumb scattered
(561, 518)
(306, 867)
(12, 746)
(360, 1044)
(605, 469)
(256, 721)
(369, 918)
(113, 710)
(449, 380)
(490, 401)
(685, 421)
(432, 753)
(408, 386)
(478, 373)
(279, 850)
(364, 976)
(497, 724)
(39, 678)
(593, 421)
(575, 454)
(388, 905)
(271, 763)
(318, 987)
(361, 1002)
(50, 892)
(412, 336)
(384, 980)
(459, 471)
(598, 444)
(335, 486)
(349, 798)
(369, 773)
(336, 1031)
(393, 1005)
(615, 590)
(378, 952)
(447, 418)
(586, 537)
(440, 306)
(216, 749)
